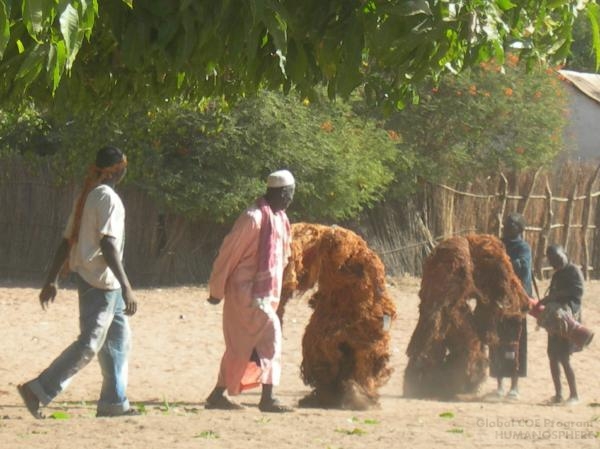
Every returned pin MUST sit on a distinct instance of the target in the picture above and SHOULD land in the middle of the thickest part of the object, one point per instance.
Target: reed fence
(163, 248)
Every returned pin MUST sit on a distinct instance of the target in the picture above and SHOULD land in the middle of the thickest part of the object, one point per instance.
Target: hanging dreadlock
(109, 160)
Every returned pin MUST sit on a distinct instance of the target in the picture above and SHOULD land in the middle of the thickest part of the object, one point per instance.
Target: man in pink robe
(247, 274)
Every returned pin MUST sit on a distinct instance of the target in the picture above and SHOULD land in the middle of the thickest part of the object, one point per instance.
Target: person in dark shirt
(566, 288)
(509, 359)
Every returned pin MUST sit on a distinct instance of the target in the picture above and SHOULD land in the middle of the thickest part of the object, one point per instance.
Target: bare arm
(50, 287)
(111, 255)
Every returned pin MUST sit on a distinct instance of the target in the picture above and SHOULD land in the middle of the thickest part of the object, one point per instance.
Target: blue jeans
(104, 330)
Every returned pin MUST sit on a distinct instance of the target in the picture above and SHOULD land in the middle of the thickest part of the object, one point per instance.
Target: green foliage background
(488, 119)
(209, 161)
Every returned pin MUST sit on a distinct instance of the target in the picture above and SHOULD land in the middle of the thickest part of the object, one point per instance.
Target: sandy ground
(174, 363)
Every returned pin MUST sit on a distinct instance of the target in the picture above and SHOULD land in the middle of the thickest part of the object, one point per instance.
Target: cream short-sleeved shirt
(103, 214)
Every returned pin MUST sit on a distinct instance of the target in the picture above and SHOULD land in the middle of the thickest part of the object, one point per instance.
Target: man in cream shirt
(92, 248)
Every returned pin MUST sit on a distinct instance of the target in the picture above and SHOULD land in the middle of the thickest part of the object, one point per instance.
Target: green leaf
(371, 421)
(277, 29)
(455, 430)
(297, 62)
(593, 13)
(69, 27)
(505, 5)
(553, 4)
(89, 11)
(355, 431)
(348, 75)
(32, 65)
(60, 415)
(180, 79)
(4, 26)
(129, 3)
(207, 435)
(57, 57)
(35, 13)
(446, 415)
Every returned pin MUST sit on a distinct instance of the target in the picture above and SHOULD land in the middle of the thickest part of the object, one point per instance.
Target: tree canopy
(122, 49)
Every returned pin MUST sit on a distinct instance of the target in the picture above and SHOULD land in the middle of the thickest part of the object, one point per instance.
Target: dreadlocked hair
(96, 175)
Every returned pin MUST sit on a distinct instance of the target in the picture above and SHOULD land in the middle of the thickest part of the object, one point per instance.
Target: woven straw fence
(560, 207)
(162, 248)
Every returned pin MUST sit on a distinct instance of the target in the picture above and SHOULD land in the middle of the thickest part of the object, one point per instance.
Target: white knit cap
(280, 178)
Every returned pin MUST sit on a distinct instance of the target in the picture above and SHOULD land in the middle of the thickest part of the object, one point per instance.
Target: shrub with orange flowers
(510, 119)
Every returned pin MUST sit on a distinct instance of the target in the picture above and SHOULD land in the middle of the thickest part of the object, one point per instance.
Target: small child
(566, 288)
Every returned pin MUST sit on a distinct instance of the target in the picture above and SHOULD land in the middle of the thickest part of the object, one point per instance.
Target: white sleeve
(109, 219)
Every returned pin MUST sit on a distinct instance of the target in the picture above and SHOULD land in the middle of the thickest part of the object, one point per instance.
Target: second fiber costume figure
(247, 274)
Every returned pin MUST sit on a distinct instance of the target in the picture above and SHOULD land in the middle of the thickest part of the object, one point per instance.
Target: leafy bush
(485, 120)
(209, 161)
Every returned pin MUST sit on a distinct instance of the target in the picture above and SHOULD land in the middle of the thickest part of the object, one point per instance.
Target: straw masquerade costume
(346, 343)
(93, 249)
(247, 274)
(446, 352)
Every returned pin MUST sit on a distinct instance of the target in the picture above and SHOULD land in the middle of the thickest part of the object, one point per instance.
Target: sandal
(221, 403)
(274, 406)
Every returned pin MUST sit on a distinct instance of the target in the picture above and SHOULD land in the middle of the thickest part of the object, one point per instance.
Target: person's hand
(214, 301)
(130, 302)
(48, 294)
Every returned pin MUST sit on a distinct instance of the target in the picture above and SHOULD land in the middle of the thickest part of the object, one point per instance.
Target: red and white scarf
(266, 282)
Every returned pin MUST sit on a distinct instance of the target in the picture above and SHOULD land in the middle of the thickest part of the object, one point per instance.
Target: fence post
(525, 201)
(545, 233)
(503, 199)
(569, 217)
(587, 211)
